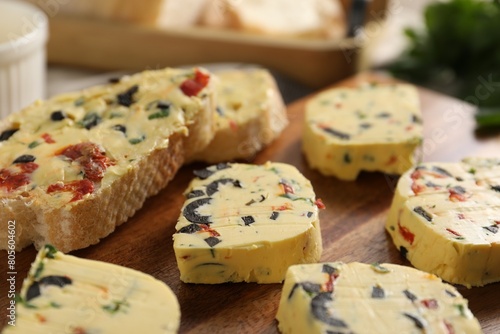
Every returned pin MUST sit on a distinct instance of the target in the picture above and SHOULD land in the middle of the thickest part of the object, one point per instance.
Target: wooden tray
(352, 227)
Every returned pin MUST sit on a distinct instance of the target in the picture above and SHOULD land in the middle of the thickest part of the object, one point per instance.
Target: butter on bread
(250, 115)
(302, 18)
(76, 166)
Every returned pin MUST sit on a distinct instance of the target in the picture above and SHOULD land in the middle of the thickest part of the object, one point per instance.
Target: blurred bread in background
(297, 18)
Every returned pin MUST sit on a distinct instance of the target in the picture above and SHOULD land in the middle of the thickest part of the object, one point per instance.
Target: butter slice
(445, 219)
(246, 223)
(369, 128)
(66, 294)
(361, 298)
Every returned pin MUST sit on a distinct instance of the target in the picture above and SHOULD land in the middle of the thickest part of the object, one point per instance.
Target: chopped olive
(378, 292)
(336, 133)
(495, 188)
(190, 211)
(379, 269)
(135, 141)
(347, 158)
(220, 111)
(321, 311)
(459, 179)
(195, 193)
(213, 187)
(365, 125)
(190, 229)
(415, 320)
(22, 159)
(7, 134)
(309, 214)
(33, 291)
(415, 119)
(119, 127)
(493, 228)
(127, 98)
(80, 101)
(115, 306)
(431, 184)
(203, 173)
(295, 286)
(423, 213)
(212, 241)
(459, 190)
(441, 171)
(33, 144)
(328, 269)
(57, 115)
(222, 165)
(403, 251)
(449, 293)
(163, 105)
(59, 281)
(90, 120)
(410, 295)
(383, 115)
(248, 220)
(460, 309)
(51, 251)
(274, 215)
(114, 80)
(310, 287)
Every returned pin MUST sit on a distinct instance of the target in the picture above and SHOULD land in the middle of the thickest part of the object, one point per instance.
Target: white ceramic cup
(23, 36)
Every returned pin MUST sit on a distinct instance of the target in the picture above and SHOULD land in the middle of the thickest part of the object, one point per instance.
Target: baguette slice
(250, 115)
(66, 294)
(74, 167)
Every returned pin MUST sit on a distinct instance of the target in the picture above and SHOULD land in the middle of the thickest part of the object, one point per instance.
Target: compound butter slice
(361, 298)
(65, 294)
(445, 218)
(370, 128)
(246, 223)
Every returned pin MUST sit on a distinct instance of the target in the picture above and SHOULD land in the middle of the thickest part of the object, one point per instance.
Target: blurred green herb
(458, 53)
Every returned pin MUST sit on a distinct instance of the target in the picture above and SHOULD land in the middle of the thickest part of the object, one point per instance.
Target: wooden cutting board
(352, 226)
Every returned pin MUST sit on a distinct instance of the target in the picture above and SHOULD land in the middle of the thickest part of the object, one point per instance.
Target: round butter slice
(445, 218)
(66, 294)
(360, 298)
(369, 128)
(248, 223)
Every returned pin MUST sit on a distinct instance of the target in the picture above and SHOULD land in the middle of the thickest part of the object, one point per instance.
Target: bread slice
(74, 167)
(305, 18)
(250, 114)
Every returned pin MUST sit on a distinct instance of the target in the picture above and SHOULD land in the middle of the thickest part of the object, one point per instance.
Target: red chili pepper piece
(79, 188)
(12, 180)
(406, 234)
(319, 203)
(431, 304)
(449, 327)
(453, 232)
(331, 280)
(417, 188)
(208, 229)
(192, 87)
(48, 138)
(456, 196)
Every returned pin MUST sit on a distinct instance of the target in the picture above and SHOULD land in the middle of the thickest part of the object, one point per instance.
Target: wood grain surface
(352, 226)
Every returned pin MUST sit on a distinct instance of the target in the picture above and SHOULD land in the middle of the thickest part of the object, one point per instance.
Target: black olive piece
(7, 134)
(321, 312)
(91, 120)
(295, 286)
(190, 229)
(384, 115)
(248, 220)
(310, 287)
(403, 251)
(57, 115)
(195, 193)
(365, 125)
(274, 215)
(378, 292)
(126, 98)
(347, 158)
(410, 295)
(220, 111)
(449, 293)
(33, 291)
(336, 133)
(212, 241)
(22, 159)
(114, 80)
(431, 184)
(213, 187)
(203, 173)
(415, 320)
(415, 119)
(163, 105)
(420, 168)
(328, 269)
(493, 228)
(190, 211)
(495, 188)
(59, 281)
(222, 165)
(441, 171)
(459, 189)
(119, 127)
(423, 213)
(459, 179)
